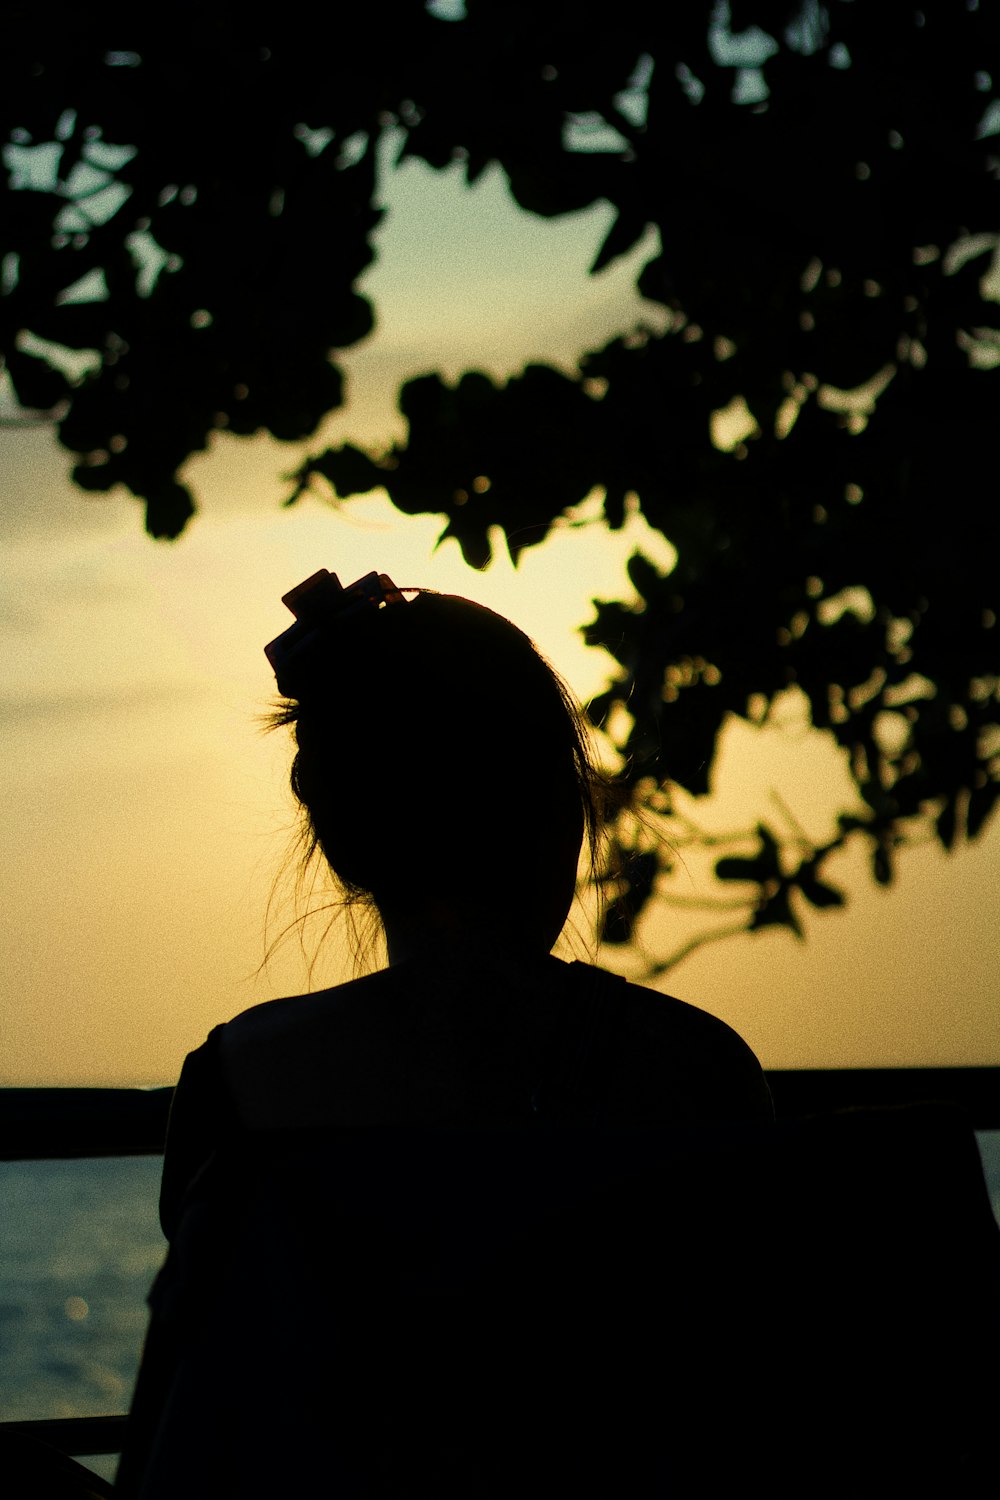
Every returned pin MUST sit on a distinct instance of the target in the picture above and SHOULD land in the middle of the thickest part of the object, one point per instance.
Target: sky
(146, 819)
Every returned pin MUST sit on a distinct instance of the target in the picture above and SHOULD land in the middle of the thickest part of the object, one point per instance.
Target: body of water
(80, 1243)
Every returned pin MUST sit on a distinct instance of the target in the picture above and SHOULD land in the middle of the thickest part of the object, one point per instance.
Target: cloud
(94, 704)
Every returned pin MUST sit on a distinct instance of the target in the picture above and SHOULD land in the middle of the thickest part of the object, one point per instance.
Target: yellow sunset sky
(145, 818)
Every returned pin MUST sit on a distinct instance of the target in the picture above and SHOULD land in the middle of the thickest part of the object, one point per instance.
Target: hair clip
(319, 603)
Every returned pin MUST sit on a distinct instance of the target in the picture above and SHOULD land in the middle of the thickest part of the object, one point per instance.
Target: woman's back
(413, 1308)
(462, 1041)
(465, 1038)
(356, 1263)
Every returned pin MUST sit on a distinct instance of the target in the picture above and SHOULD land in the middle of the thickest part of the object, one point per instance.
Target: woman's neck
(438, 932)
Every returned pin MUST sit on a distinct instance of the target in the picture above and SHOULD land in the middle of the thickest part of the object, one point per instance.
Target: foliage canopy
(184, 222)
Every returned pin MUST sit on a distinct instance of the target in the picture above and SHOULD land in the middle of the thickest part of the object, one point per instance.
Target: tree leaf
(624, 234)
(732, 867)
(817, 892)
(777, 911)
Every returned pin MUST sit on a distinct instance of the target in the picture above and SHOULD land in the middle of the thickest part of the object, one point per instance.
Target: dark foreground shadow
(811, 1308)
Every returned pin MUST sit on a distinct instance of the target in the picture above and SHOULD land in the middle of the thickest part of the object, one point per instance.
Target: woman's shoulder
(402, 995)
(401, 1041)
(301, 1058)
(679, 1060)
(658, 1013)
(271, 1020)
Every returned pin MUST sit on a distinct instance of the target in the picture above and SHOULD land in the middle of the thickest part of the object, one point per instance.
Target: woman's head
(442, 764)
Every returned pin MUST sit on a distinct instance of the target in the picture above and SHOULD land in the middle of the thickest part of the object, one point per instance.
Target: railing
(36, 1124)
(39, 1124)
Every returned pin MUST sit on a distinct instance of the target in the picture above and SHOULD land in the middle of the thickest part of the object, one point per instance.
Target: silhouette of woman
(443, 773)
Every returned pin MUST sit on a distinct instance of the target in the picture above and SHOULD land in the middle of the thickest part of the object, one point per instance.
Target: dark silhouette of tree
(824, 180)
